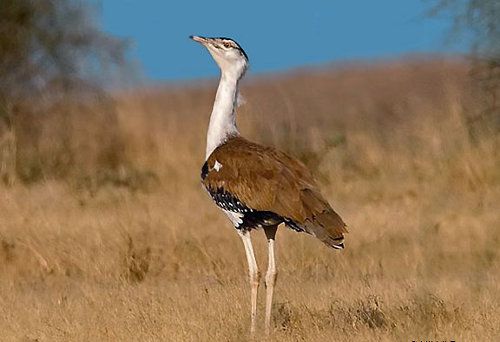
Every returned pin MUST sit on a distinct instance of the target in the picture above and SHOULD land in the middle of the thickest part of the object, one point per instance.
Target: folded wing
(265, 179)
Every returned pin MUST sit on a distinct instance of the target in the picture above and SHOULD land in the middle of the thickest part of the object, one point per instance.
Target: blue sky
(277, 35)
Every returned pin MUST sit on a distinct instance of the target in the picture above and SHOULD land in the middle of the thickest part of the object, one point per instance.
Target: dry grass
(148, 257)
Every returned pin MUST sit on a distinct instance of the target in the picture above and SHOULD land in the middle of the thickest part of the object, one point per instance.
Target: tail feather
(322, 221)
(327, 227)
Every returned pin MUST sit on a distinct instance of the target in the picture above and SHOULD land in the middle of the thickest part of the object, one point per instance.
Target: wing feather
(265, 179)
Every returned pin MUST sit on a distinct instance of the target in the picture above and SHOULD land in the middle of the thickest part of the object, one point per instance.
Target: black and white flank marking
(243, 217)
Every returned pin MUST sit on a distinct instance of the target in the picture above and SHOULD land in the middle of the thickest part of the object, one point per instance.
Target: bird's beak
(201, 40)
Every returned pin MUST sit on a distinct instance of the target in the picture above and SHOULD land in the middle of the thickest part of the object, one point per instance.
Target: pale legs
(254, 275)
(270, 275)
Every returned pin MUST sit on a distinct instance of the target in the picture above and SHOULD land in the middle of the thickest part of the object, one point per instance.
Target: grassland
(140, 253)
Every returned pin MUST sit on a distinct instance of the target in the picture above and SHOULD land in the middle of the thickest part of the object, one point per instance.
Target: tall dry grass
(137, 251)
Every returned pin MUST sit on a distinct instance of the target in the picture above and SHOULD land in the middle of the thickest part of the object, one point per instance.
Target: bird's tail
(328, 227)
(322, 221)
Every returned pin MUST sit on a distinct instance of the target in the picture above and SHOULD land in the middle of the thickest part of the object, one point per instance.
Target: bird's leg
(270, 275)
(254, 275)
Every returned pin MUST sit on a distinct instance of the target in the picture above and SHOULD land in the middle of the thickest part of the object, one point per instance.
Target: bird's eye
(227, 45)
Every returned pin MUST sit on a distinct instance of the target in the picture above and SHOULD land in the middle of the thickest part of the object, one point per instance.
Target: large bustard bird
(257, 186)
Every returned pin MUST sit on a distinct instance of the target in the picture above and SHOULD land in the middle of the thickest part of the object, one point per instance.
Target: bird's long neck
(222, 121)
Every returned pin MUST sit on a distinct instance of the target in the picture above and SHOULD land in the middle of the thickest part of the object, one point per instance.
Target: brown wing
(265, 179)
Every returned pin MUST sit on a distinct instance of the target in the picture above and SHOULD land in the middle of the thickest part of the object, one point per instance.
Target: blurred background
(65, 65)
(104, 107)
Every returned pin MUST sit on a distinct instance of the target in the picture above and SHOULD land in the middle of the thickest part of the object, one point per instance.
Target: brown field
(138, 252)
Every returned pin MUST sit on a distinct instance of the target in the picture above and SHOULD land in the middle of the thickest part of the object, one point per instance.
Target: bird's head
(229, 56)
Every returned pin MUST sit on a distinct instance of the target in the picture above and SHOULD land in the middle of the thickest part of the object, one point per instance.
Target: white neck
(222, 121)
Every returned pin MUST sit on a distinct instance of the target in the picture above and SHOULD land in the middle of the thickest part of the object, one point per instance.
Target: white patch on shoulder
(217, 166)
(236, 218)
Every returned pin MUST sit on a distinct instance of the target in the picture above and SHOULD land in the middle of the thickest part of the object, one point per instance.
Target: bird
(258, 187)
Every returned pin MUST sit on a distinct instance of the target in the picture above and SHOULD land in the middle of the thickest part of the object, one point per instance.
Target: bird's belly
(240, 215)
(252, 219)
(235, 218)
